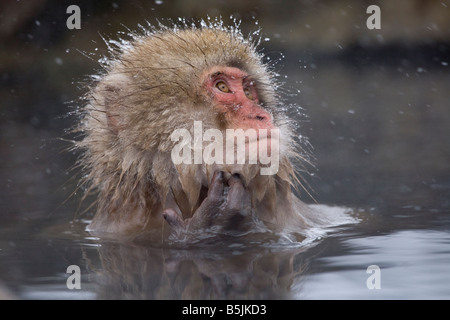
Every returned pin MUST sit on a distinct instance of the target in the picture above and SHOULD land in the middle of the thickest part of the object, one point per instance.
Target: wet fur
(151, 88)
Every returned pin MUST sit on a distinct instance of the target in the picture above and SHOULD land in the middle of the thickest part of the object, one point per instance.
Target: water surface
(412, 252)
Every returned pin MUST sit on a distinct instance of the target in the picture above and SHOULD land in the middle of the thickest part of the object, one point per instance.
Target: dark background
(374, 104)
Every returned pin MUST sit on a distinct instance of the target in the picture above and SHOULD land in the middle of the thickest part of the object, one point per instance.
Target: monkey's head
(201, 83)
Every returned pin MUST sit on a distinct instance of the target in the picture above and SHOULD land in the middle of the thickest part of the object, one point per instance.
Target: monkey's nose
(261, 115)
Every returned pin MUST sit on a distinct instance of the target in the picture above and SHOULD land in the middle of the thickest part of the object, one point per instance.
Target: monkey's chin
(260, 156)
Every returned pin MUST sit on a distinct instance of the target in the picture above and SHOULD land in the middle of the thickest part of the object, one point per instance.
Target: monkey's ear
(112, 95)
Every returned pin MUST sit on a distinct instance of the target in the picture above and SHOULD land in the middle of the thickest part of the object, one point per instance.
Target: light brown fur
(152, 88)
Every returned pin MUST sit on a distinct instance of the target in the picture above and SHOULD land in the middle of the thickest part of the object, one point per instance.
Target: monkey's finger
(215, 191)
(216, 198)
(238, 197)
(173, 219)
(205, 214)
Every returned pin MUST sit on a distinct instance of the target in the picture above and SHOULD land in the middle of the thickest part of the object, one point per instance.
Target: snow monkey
(161, 126)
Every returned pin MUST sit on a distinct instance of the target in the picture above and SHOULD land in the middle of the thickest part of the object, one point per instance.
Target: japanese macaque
(170, 80)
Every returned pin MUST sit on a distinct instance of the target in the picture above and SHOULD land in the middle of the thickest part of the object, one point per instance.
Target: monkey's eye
(222, 86)
(248, 93)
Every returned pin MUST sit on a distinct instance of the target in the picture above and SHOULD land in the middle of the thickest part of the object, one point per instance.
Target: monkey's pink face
(235, 96)
(236, 100)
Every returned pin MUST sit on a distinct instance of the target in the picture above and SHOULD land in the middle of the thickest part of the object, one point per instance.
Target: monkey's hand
(227, 207)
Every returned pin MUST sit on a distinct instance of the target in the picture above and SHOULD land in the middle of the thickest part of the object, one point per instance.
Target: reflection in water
(253, 267)
(413, 263)
(133, 271)
(248, 267)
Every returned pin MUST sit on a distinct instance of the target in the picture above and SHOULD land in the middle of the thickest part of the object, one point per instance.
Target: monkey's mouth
(257, 155)
(263, 146)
